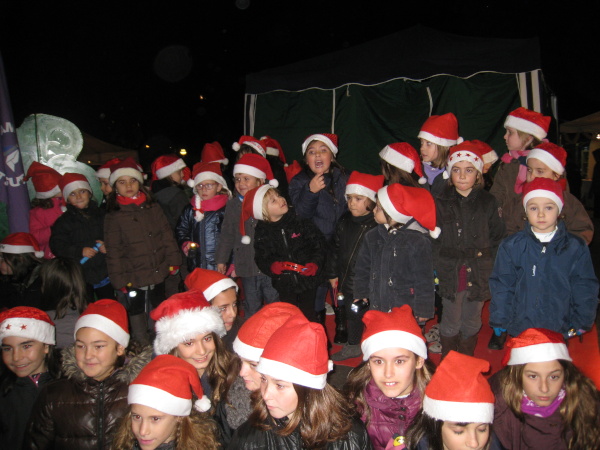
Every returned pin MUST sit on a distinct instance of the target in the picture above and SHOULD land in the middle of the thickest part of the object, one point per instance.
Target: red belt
(293, 267)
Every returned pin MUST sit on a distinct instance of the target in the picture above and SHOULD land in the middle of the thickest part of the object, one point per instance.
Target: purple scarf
(528, 406)
(431, 172)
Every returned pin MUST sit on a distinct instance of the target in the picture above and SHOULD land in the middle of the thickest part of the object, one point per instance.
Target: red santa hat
(465, 151)
(458, 391)
(252, 207)
(403, 156)
(397, 328)
(535, 345)
(402, 203)
(307, 364)
(546, 188)
(126, 167)
(182, 317)
(441, 130)
(253, 164)
(329, 139)
(210, 282)
(45, 180)
(71, 182)
(258, 329)
(554, 156)
(28, 323)
(213, 152)
(165, 165)
(166, 384)
(207, 171)
(528, 121)
(108, 316)
(487, 152)
(292, 170)
(250, 141)
(274, 148)
(19, 243)
(104, 170)
(364, 184)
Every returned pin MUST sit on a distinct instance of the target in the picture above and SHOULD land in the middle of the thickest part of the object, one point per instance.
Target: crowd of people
(188, 311)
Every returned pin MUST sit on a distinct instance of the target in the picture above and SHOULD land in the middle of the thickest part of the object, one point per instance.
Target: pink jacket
(40, 221)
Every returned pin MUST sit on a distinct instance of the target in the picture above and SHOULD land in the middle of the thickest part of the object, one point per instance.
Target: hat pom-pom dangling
(273, 183)
(245, 240)
(435, 233)
(460, 140)
(422, 180)
(63, 208)
(236, 146)
(190, 183)
(445, 175)
(202, 404)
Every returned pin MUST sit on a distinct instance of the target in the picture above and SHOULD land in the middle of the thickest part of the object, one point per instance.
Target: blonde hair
(524, 137)
(268, 196)
(442, 157)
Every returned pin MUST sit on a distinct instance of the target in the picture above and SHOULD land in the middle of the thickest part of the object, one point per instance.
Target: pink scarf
(528, 406)
(213, 204)
(522, 175)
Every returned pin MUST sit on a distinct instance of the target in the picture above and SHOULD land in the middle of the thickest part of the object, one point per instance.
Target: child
(82, 409)
(199, 224)
(394, 265)
(163, 412)
(103, 174)
(525, 129)
(400, 163)
(47, 206)
(350, 230)
(387, 388)
(27, 337)
(141, 248)
(250, 172)
(169, 187)
(20, 262)
(287, 248)
(542, 399)
(458, 408)
(548, 160)
(79, 235)
(472, 229)
(543, 276)
(437, 135)
(297, 408)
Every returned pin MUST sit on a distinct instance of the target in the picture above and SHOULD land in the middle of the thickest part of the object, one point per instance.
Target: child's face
(537, 169)
(24, 356)
(245, 183)
(80, 198)
(429, 150)
(152, 427)
(105, 186)
(318, 157)
(276, 206)
(198, 351)
(127, 186)
(379, 214)
(226, 303)
(250, 375)
(96, 353)
(177, 176)
(543, 381)
(465, 436)
(280, 396)
(357, 205)
(393, 370)
(514, 142)
(207, 189)
(464, 177)
(542, 214)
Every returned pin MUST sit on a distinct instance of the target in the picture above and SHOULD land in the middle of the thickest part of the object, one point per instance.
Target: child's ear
(120, 350)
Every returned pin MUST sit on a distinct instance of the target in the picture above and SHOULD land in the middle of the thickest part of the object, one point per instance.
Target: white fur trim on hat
(526, 126)
(203, 176)
(250, 170)
(246, 351)
(272, 151)
(153, 397)
(126, 171)
(458, 411)
(165, 171)
(397, 159)
(438, 140)
(359, 189)
(255, 145)
(29, 328)
(389, 208)
(104, 324)
(103, 173)
(185, 325)
(547, 158)
(490, 157)
(538, 353)
(48, 194)
(19, 249)
(257, 204)
(291, 374)
(73, 186)
(322, 138)
(544, 194)
(393, 338)
(466, 155)
(216, 288)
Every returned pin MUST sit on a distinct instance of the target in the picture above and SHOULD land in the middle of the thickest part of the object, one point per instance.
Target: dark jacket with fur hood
(78, 411)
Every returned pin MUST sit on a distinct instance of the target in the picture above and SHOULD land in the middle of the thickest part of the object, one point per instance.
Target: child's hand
(277, 267)
(333, 282)
(317, 184)
(88, 252)
(102, 248)
(222, 268)
(310, 271)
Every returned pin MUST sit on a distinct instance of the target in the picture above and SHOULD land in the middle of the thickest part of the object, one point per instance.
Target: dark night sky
(93, 63)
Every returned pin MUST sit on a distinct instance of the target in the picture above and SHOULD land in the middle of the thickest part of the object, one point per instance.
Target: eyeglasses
(207, 186)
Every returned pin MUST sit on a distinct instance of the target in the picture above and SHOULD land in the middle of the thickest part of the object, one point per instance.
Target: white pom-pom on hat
(236, 146)
(435, 233)
(274, 183)
(422, 180)
(246, 240)
(202, 404)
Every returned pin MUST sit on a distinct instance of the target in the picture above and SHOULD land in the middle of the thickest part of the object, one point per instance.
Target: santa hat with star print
(307, 364)
(210, 282)
(213, 152)
(403, 203)
(165, 165)
(203, 171)
(28, 323)
(252, 142)
(364, 184)
(19, 243)
(108, 316)
(465, 151)
(258, 329)
(535, 345)
(397, 328)
(166, 384)
(330, 140)
(182, 317)
(253, 164)
(71, 182)
(104, 170)
(528, 121)
(126, 167)
(252, 207)
(458, 391)
(546, 188)
(554, 156)
(403, 156)
(441, 130)
(274, 148)
(45, 180)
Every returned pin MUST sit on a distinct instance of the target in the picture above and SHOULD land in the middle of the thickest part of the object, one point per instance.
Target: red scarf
(135, 200)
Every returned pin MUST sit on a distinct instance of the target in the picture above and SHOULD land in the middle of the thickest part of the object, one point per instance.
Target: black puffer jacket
(291, 239)
(78, 412)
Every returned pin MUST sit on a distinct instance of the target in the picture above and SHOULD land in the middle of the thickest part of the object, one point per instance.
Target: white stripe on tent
(535, 90)
(333, 111)
(430, 101)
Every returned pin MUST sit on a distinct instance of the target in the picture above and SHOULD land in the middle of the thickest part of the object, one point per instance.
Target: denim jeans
(461, 316)
(257, 290)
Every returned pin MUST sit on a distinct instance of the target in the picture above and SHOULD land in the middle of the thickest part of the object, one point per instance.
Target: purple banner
(13, 190)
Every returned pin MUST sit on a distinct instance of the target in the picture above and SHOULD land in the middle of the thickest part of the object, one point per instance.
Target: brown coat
(504, 183)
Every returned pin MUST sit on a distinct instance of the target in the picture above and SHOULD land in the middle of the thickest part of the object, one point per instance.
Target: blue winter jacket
(543, 285)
